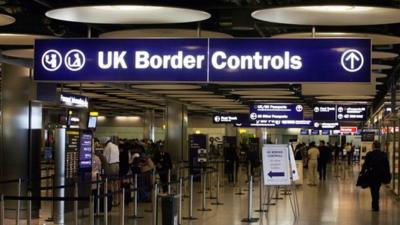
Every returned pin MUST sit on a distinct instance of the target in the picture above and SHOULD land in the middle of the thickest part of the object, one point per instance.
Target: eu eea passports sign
(203, 60)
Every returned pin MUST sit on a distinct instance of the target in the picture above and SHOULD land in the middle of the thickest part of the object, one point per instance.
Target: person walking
(313, 154)
(230, 159)
(323, 159)
(377, 163)
(163, 162)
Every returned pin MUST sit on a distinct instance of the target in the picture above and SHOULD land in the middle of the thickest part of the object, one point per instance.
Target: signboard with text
(275, 159)
(340, 113)
(203, 60)
(276, 112)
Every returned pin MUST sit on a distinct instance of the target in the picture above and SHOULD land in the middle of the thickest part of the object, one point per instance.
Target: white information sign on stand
(276, 164)
(293, 167)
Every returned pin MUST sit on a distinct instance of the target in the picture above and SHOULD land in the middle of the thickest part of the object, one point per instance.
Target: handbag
(364, 178)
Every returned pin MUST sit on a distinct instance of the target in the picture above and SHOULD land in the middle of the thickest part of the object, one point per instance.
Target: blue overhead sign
(276, 112)
(340, 113)
(203, 60)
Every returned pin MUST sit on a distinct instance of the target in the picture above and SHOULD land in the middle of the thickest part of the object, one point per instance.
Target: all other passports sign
(203, 60)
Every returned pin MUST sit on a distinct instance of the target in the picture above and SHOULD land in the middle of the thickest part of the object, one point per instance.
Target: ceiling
(232, 17)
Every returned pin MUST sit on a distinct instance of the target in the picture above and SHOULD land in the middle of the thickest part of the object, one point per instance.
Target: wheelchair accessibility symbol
(75, 60)
(51, 60)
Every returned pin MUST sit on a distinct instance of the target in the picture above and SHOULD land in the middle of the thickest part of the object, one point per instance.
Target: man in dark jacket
(163, 163)
(377, 162)
(323, 159)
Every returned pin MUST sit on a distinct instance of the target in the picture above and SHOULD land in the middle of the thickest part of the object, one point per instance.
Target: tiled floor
(335, 201)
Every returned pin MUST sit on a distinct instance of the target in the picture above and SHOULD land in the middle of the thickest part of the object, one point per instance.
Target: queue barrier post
(234, 173)
(76, 194)
(122, 208)
(29, 209)
(2, 209)
(180, 192)
(135, 195)
(155, 205)
(105, 192)
(238, 181)
(250, 218)
(91, 210)
(169, 181)
(261, 209)
(98, 193)
(217, 202)
(18, 202)
(204, 201)
(190, 216)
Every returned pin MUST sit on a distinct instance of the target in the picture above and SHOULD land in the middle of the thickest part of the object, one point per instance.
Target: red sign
(348, 130)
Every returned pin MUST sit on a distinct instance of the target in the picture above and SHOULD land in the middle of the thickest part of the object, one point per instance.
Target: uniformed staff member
(163, 163)
(313, 155)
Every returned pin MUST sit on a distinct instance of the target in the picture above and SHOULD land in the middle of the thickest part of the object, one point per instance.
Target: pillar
(20, 135)
(230, 130)
(149, 131)
(176, 136)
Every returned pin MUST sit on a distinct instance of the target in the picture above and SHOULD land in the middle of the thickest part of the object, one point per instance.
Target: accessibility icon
(352, 60)
(51, 60)
(75, 60)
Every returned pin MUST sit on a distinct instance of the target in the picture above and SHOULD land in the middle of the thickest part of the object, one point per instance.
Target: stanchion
(155, 203)
(98, 194)
(190, 216)
(261, 197)
(217, 202)
(136, 196)
(153, 181)
(250, 218)
(240, 185)
(51, 218)
(76, 194)
(91, 210)
(122, 208)
(234, 173)
(180, 200)
(2, 209)
(169, 182)
(29, 209)
(18, 202)
(204, 202)
(105, 192)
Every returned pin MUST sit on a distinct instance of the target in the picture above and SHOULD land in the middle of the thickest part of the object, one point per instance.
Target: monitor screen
(92, 122)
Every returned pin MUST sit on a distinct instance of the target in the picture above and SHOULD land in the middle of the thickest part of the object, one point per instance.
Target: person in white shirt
(313, 155)
(111, 154)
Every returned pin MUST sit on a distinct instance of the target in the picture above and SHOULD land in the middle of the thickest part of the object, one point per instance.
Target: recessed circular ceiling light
(383, 55)
(6, 19)
(20, 39)
(329, 15)
(19, 53)
(154, 33)
(127, 14)
(376, 39)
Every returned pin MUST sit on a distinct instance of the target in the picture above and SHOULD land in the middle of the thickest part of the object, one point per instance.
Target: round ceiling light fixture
(170, 33)
(20, 39)
(376, 39)
(19, 53)
(329, 15)
(127, 14)
(6, 19)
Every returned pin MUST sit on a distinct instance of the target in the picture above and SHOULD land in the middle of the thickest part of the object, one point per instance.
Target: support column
(149, 124)
(176, 138)
(230, 130)
(21, 123)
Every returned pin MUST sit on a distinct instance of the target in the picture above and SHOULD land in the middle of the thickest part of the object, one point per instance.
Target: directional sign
(276, 164)
(276, 112)
(324, 113)
(203, 60)
(320, 125)
(351, 112)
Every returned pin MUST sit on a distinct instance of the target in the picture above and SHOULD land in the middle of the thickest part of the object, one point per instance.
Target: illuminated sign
(74, 100)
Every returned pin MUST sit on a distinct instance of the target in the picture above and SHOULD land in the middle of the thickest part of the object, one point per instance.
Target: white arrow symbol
(352, 57)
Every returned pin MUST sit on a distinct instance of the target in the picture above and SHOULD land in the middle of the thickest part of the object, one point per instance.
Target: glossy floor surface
(334, 201)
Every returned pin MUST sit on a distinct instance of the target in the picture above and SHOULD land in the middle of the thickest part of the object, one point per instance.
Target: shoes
(375, 209)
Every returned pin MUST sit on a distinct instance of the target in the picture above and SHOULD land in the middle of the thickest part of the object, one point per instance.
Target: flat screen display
(92, 122)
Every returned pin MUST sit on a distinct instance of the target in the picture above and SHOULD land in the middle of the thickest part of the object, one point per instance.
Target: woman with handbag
(374, 172)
